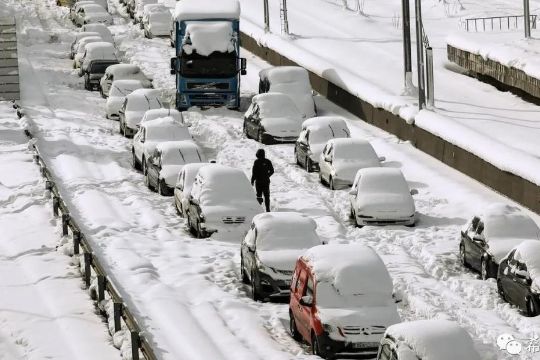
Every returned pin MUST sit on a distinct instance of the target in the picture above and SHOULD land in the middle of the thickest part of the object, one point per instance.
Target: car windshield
(354, 151)
(100, 66)
(276, 107)
(215, 65)
(328, 296)
(287, 237)
(323, 134)
(160, 17)
(167, 133)
(181, 156)
(383, 183)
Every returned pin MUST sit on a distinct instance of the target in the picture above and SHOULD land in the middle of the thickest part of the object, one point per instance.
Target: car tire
(296, 158)
(462, 255)
(245, 131)
(331, 184)
(308, 164)
(87, 82)
(161, 188)
(484, 272)
(147, 181)
(124, 131)
(255, 295)
(321, 179)
(260, 137)
(178, 211)
(101, 92)
(315, 348)
(134, 162)
(120, 126)
(243, 274)
(351, 214)
(531, 307)
(293, 329)
(500, 290)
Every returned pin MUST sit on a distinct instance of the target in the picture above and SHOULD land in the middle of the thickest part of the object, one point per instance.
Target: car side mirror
(414, 192)
(306, 300)
(353, 192)
(243, 65)
(382, 158)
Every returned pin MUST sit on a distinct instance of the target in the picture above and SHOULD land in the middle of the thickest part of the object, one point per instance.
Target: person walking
(260, 176)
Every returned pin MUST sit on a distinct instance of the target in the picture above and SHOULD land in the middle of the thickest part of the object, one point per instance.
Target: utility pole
(527, 18)
(266, 17)
(420, 56)
(407, 62)
(284, 18)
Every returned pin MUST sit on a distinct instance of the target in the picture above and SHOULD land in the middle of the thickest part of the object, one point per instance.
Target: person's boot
(260, 200)
(267, 204)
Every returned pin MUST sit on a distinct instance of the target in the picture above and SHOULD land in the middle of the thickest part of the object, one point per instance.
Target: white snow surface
(168, 278)
(285, 230)
(207, 9)
(435, 339)
(209, 36)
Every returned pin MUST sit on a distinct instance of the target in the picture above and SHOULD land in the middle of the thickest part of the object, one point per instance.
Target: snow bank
(205, 38)
(207, 9)
(435, 339)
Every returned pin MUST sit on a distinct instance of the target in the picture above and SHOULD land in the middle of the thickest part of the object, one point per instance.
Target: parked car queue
(281, 254)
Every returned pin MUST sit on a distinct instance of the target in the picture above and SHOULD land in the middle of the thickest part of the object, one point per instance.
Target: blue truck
(207, 61)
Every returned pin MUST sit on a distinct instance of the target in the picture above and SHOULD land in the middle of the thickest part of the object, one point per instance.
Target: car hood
(385, 205)
(169, 173)
(347, 169)
(248, 209)
(500, 247)
(281, 126)
(280, 259)
(360, 316)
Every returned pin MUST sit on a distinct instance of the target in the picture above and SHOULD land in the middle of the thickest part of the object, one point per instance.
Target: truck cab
(207, 61)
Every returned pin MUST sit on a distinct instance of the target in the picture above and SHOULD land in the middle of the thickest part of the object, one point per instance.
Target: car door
(477, 245)
(254, 122)
(305, 311)
(300, 147)
(138, 143)
(154, 168)
(179, 188)
(521, 279)
(506, 277)
(297, 289)
(248, 250)
(326, 162)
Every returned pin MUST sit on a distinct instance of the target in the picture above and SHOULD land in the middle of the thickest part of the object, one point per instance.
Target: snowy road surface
(364, 54)
(186, 292)
(44, 312)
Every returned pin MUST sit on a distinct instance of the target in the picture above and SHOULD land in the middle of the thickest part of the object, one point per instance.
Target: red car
(341, 301)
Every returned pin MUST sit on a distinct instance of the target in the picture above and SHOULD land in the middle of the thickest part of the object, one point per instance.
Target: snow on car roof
(124, 87)
(123, 69)
(382, 180)
(506, 221)
(100, 46)
(285, 74)
(165, 121)
(435, 339)
(285, 230)
(81, 35)
(169, 146)
(101, 29)
(347, 148)
(321, 121)
(352, 269)
(207, 9)
(94, 8)
(223, 183)
(208, 37)
(528, 252)
(141, 93)
(275, 105)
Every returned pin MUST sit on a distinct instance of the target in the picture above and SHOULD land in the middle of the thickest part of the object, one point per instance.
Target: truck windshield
(215, 65)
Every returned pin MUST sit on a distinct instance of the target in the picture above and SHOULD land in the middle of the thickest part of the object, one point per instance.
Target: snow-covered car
(490, 235)
(76, 6)
(103, 3)
(117, 95)
(100, 50)
(156, 21)
(122, 72)
(272, 118)
(153, 132)
(168, 159)
(221, 200)
(341, 301)
(94, 71)
(184, 183)
(80, 47)
(427, 339)
(139, 7)
(292, 81)
(518, 279)
(162, 112)
(315, 134)
(78, 37)
(270, 249)
(381, 196)
(101, 29)
(341, 159)
(92, 14)
(134, 107)
(130, 7)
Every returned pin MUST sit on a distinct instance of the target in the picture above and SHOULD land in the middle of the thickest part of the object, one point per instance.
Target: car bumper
(342, 349)
(272, 139)
(367, 220)
(342, 183)
(271, 288)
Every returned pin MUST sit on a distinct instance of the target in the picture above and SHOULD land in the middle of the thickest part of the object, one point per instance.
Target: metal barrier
(509, 22)
(139, 345)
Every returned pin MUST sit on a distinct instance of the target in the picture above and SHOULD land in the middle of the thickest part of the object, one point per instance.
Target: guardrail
(91, 268)
(508, 22)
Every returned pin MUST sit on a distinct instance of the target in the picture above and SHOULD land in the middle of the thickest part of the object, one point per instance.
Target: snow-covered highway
(187, 292)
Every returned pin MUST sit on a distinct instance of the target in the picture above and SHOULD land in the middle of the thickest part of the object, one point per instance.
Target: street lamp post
(407, 62)
(527, 18)
(420, 56)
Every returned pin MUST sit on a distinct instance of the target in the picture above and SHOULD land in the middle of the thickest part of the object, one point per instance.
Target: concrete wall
(9, 65)
(513, 186)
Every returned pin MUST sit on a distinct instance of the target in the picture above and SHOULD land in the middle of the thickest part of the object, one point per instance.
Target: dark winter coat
(262, 169)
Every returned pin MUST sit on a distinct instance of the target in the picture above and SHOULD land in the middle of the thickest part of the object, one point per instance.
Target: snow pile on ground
(209, 37)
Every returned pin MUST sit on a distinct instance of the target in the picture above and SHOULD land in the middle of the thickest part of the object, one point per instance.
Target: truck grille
(366, 330)
(207, 86)
(233, 219)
